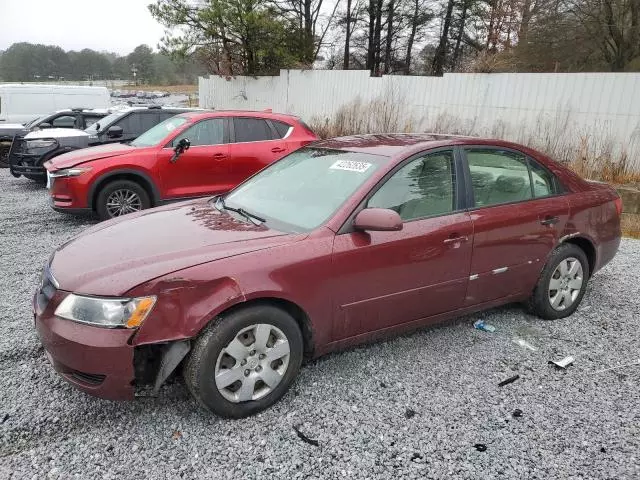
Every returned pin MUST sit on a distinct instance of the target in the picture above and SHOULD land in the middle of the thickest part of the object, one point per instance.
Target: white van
(21, 103)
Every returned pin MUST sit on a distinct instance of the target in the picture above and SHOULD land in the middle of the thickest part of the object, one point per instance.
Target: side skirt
(385, 333)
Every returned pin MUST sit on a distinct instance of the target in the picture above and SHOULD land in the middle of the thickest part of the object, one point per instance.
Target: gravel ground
(412, 407)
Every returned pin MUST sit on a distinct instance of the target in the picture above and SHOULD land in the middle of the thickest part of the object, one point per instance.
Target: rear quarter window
(281, 127)
(544, 182)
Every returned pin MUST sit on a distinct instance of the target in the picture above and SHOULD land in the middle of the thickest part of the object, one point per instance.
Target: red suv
(189, 155)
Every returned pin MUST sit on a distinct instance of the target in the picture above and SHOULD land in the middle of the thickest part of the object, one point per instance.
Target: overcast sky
(112, 25)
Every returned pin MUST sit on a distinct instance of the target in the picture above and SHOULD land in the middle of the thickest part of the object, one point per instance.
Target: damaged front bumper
(100, 361)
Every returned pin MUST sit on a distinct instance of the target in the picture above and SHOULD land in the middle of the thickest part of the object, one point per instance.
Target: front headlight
(69, 172)
(38, 144)
(106, 312)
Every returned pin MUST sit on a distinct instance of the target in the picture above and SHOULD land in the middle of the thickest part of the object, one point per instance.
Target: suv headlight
(69, 172)
(106, 312)
(37, 144)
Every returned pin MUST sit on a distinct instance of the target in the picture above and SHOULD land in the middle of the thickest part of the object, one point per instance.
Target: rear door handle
(219, 156)
(463, 238)
(549, 220)
(278, 149)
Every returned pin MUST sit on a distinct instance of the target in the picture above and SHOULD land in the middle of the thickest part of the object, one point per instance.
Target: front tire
(245, 362)
(562, 283)
(121, 197)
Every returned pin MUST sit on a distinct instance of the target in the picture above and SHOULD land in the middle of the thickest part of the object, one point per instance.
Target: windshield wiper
(255, 219)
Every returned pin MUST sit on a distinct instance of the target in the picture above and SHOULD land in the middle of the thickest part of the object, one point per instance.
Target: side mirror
(44, 125)
(182, 146)
(114, 132)
(377, 220)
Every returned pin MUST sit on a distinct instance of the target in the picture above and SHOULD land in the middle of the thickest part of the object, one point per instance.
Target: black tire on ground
(200, 367)
(114, 186)
(540, 303)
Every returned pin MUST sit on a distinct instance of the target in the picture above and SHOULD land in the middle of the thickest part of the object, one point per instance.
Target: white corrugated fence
(594, 107)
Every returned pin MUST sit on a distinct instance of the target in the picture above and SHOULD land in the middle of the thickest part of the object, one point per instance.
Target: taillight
(618, 202)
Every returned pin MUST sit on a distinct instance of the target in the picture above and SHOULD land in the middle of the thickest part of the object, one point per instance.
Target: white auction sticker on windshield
(350, 165)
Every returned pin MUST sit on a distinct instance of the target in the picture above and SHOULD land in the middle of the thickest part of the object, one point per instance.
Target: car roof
(200, 115)
(403, 144)
(175, 110)
(98, 111)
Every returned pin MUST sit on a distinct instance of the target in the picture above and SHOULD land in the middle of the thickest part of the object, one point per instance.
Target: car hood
(83, 155)
(115, 256)
(55, 133)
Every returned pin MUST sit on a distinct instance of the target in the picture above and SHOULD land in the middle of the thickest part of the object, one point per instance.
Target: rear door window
(498, 176)
(251, 130)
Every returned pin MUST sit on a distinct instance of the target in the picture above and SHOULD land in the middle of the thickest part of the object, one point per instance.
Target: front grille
(23, 161)
(88, 378)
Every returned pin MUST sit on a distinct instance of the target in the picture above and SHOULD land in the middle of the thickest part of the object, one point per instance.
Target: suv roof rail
(77, 109)
(154, 107)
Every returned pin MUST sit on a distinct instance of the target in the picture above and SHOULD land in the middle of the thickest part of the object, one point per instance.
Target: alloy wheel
(253, 363)
(565, 284)
(123, 201)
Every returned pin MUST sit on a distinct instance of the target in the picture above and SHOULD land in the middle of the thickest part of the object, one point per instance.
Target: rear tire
(243, 363)
(121, 197)
(562, 283)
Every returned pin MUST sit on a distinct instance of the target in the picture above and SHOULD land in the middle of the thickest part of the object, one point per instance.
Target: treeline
(26, 62)
(430, 37)
(426, 37)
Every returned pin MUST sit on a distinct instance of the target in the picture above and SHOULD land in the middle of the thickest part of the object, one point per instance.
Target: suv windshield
(158, 133)
(303, 190)
(103, 122)
(35, 121)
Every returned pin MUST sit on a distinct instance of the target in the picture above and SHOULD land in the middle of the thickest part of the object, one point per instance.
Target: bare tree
(615, 25)
(347, 36)
(389, 40)
(439, 59)
(460, 34)
(419, 16)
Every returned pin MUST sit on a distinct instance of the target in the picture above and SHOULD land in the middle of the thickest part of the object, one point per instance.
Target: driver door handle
(457, 238)
(278, 149)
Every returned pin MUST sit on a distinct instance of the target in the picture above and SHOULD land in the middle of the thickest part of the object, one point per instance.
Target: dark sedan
(340, 242)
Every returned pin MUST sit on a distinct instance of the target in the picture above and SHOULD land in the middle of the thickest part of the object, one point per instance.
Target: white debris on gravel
(357, 405)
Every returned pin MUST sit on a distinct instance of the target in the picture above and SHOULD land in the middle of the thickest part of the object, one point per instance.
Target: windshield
(35, 121)
(158, 133)
(303, 190)
(103, 122)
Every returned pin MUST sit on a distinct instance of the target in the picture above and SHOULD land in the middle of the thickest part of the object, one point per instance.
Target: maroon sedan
(341, 242)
